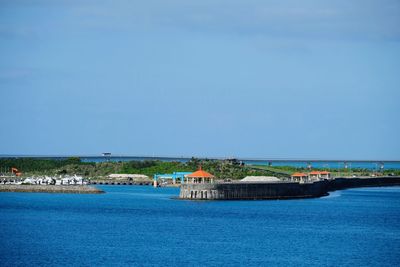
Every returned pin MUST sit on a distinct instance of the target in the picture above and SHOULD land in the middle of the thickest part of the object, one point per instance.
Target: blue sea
(145, 226)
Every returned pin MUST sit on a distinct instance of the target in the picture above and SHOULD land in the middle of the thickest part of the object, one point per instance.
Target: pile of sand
(128, 176)
(260, 179)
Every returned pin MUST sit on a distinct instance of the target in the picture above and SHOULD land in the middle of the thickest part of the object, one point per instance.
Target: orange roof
(200, 174)
(324, 172)
(299, 174)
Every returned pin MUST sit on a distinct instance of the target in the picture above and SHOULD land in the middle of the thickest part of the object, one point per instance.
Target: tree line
(220, 168)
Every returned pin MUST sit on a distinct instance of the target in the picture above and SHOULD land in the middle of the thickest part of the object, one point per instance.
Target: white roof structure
(260, 179)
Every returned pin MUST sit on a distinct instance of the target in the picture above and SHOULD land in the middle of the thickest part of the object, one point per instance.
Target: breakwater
(344, 183)
(256, 190)
(71, 189)
(277, 190)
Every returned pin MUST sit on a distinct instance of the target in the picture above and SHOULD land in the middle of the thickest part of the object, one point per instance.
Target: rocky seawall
(71, 189)
(277, 190)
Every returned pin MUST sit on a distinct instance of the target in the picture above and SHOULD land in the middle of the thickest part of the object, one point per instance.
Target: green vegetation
(231, 169)
(221, 169)
(288, 170)
(38, 165)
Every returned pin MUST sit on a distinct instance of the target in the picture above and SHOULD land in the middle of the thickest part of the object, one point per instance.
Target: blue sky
(285, 79)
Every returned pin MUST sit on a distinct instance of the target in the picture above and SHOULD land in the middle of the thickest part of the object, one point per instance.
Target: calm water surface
(143, 226)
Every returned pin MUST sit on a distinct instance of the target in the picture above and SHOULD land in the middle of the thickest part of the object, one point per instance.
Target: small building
(200, 177)
(324, 175)
(319, 175)
(314, 175)
(299, 177)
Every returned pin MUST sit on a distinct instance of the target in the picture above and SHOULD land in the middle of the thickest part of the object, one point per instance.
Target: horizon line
(197, 157)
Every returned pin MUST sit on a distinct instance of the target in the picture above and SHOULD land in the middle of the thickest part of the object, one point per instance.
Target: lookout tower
(200, 177)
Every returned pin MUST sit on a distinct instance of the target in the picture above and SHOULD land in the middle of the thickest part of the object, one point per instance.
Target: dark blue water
(143, 226)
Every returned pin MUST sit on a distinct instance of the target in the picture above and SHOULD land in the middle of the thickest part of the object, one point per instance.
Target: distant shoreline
(187, 158)
(71, 189)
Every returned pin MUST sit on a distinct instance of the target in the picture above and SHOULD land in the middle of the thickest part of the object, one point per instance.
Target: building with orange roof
(313, 176)
(318, 175)
(310, 177)
(299, 177)
(324, 175)
(200, 176)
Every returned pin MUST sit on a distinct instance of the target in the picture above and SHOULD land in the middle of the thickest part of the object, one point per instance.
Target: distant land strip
(186, 158)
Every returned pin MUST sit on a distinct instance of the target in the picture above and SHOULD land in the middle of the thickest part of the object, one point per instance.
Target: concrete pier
(277, 190)
(232, 191)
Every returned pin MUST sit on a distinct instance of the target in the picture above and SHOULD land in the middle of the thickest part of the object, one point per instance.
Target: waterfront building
(200, 177)
(318, 175)
(299, 177)
(314, 176)
(310, 177)
(324, 175)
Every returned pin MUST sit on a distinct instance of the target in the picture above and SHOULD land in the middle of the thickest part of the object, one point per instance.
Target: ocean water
(144, 226)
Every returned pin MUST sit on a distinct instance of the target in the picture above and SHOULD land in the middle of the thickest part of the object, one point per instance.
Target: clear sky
(255, 78)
